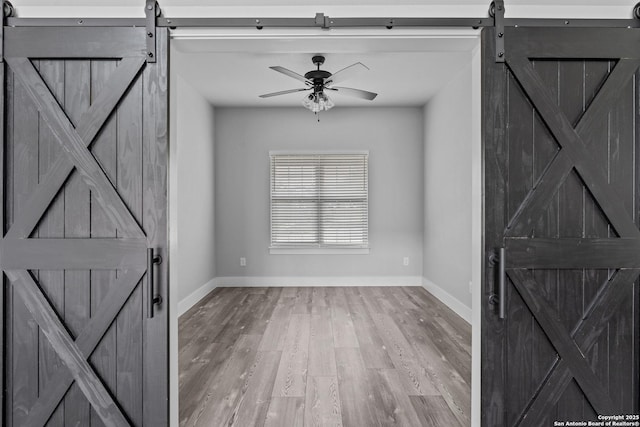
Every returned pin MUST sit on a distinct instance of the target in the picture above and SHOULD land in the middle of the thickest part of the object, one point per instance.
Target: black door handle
(152, 297)
(500, 299)
(502, 277)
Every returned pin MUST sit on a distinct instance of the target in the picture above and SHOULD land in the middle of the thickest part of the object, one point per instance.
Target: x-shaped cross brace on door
(75, 142)
(571, 348)
(575, 152)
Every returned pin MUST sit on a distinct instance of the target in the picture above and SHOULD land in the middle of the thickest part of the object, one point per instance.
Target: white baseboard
(192, 299)
(447, 299)
(252, 281)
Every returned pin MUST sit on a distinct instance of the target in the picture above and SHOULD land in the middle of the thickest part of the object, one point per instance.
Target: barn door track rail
(153, 19)
(496, 17)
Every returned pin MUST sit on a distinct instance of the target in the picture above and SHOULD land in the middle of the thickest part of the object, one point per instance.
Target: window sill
(318, 251)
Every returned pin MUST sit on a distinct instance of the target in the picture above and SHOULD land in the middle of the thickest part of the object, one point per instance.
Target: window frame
(316, 248)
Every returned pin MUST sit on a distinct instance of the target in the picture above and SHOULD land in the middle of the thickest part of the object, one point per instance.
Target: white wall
(191, 209)
(195, 199)
(447, 185)
(244, 137)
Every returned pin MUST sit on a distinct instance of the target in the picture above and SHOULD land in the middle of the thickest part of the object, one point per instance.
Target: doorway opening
(425, 178)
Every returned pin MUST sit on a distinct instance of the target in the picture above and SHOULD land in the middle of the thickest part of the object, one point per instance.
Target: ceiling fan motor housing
(318, 76)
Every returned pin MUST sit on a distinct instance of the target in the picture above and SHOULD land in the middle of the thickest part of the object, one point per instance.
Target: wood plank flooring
(352, 357)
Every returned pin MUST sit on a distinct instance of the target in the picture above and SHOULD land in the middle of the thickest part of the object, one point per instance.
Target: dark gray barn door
(85, 196)
(562, 196)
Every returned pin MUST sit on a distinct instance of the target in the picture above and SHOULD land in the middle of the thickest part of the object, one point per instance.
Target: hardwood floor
(353, 357)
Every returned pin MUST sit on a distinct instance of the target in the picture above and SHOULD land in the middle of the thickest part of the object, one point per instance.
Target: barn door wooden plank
(569, 300)
(595, 223)
(494, 78)
(570, 101)
(129, 187)
(51, 226)
(90, 124)
(53, 328)
(77, 207)
(593, 43)
(572, 253)
(622, 164)
(86, 342)
(545, 148)
(72, 254)
(519, 332)
(74, 42)
(155, 180)
(104, 148)
(8, 181)
(24, 329)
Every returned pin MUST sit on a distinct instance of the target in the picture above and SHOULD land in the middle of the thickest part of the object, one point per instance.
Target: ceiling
(405, 70)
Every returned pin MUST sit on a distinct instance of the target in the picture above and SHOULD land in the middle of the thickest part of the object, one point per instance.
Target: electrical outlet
(405, 261)
(471, 287)
(243, 262)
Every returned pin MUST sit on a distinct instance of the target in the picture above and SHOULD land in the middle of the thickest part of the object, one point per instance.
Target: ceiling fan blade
(347, 73)
(283, 92)
(290, 73)
(358, 93)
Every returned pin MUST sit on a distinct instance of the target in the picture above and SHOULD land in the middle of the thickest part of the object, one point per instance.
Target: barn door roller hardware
(7, 11)
(323, 21)
(496, 11)
(151, 11)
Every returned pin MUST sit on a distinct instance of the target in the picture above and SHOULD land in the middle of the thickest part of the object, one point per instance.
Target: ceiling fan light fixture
(320, 80)
(317, 101)
(326, 102)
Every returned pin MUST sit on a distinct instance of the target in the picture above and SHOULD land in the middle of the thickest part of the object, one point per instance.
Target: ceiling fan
(318, 81)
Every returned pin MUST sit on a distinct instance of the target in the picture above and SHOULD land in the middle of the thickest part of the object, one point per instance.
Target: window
(319, 200)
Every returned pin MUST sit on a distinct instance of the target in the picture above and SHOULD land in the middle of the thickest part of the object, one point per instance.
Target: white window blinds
(319, 200)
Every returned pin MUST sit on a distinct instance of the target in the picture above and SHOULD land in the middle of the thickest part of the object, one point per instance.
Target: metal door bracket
(323, 21)
(7, 12)
(496, 11)
(151, 11)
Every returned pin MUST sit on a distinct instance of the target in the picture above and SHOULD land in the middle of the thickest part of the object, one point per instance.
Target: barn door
(84, 205)
(562, 197)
